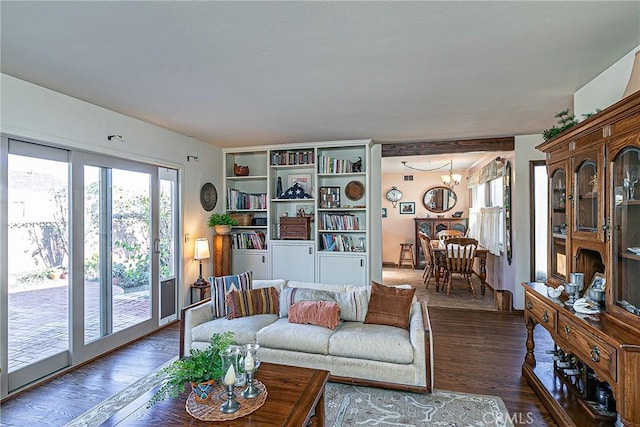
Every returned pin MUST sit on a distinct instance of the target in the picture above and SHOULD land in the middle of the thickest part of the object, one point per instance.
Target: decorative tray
(210, 409)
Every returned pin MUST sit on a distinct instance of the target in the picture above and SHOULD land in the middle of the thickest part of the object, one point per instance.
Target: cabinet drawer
(591, 350)
(542, 313)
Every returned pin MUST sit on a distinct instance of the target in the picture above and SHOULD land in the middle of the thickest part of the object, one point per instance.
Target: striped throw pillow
(221, 286)
(252, 302)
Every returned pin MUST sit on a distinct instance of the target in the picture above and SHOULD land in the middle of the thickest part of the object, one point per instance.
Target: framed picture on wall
(384, 212)
(407, 208)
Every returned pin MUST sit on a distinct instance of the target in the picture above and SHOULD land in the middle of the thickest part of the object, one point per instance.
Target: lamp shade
(634, 79)
(202, 248)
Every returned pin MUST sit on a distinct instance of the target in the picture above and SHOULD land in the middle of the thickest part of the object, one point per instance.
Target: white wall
(606, 89)
(35, 113)
(521, 213)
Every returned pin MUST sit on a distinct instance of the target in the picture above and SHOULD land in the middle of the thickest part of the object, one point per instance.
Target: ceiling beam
(402, 149)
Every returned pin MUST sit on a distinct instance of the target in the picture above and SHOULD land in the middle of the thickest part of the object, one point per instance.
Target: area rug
(460, 295)
(349, 405)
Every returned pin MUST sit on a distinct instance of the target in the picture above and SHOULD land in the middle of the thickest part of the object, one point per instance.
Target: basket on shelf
(243, 219)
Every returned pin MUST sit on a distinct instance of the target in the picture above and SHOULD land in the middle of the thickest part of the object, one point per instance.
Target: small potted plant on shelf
(201, 369)
(221, 223)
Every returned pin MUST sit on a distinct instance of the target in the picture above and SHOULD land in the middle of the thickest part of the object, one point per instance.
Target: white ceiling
(247, 73)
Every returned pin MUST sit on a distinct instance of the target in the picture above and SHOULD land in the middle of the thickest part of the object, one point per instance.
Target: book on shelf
(237, 200)
(248, 240)
(328, 164)
(339, 243)
(339, 222)
(296, 157)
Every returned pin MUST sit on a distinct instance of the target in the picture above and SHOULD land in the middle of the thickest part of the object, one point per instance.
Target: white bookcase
(335, 175)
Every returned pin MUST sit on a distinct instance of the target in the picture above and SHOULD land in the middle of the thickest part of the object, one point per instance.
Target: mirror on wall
(439, 199)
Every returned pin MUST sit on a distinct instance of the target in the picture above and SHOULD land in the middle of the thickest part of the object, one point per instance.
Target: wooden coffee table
(295, 397)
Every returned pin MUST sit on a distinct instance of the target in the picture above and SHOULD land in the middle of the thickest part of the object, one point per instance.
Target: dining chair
(460, 253)
(448, 234)
(429, 259)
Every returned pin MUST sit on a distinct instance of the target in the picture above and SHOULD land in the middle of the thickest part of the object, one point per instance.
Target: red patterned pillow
(252, 302)
(319, 313)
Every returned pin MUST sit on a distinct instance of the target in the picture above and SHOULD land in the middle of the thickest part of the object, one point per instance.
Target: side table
(203, 291)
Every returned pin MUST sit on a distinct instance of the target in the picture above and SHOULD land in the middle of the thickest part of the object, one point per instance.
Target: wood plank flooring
(475, 352)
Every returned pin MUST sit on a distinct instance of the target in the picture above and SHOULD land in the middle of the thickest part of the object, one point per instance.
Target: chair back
(448, 234)
(425, 243)
(460, 253)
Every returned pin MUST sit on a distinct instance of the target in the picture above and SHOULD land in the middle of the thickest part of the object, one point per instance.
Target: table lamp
(201, 252)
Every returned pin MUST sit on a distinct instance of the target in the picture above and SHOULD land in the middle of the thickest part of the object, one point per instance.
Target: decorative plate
(208, 196)
(354, 190)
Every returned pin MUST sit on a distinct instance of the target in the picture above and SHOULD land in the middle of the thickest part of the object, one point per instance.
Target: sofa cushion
(353, 305)
(252, 302)
(288, 296)
(265, 283)
(283, 335)
(221, 286)
(389, 306)
(372, 342)
(319, 313)
(244, 328)
(320, 286)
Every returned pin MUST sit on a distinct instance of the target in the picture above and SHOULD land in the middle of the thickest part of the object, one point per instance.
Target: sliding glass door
(37, 261)
(80, 275)
(117, 249)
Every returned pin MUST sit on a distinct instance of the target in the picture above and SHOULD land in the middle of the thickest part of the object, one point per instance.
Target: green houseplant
(202, 366)
(221, 222)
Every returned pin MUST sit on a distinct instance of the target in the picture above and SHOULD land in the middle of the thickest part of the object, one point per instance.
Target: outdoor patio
(39, 318)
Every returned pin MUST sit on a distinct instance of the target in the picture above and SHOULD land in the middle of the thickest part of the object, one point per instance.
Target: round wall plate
(354, 190)
(208, 196)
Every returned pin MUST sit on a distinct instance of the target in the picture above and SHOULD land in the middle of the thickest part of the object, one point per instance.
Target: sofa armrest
(192, 316)
(422, 342)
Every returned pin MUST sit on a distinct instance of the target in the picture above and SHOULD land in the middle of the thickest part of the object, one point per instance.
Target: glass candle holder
(229, 380)
(251, 363)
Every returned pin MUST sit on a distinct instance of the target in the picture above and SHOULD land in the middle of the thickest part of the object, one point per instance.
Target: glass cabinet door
(626, 230)
(558, 203)
(587, 197)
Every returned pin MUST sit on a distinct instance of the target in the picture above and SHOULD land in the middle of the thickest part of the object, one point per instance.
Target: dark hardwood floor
(475, 352)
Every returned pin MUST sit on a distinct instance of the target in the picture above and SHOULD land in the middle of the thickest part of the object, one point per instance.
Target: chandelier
(452, 179)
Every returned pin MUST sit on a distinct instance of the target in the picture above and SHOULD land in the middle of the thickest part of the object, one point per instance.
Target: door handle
(156, 246)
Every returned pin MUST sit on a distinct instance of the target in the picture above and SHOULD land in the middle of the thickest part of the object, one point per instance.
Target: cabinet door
(250, 260)
(293, 261)
(625, 233)
(558, 217)
(588, 195)
(343, 269)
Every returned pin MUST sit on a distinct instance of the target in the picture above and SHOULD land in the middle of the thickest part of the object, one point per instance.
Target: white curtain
(490, 229)
(484, 226)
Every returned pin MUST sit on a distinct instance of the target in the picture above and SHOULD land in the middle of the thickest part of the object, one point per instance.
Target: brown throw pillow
(389, 306)
(319, 313)
(252, 302)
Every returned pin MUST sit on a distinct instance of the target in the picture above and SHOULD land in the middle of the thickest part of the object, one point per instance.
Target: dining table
(439, 249)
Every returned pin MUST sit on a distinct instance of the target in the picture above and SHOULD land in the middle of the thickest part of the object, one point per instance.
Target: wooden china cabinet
(591, 377)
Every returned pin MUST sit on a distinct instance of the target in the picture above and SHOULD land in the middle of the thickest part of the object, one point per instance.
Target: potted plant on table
(202, 368)
(221, 223)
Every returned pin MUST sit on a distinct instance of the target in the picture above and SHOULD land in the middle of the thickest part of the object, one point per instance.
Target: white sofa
(367, 354)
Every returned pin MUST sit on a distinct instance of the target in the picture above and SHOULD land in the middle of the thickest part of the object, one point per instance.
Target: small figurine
(357, 166)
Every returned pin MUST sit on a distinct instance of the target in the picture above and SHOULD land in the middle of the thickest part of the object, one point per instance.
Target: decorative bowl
(596, 295)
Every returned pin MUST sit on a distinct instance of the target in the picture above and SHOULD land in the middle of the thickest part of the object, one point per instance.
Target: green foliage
(200, 366)
(221, 219)
(565, 121)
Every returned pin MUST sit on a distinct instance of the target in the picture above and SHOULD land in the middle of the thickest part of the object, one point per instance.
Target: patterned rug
(348, 405)
(460, 295)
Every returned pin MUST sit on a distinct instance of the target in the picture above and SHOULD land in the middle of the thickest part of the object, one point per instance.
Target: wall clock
(394, 195)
